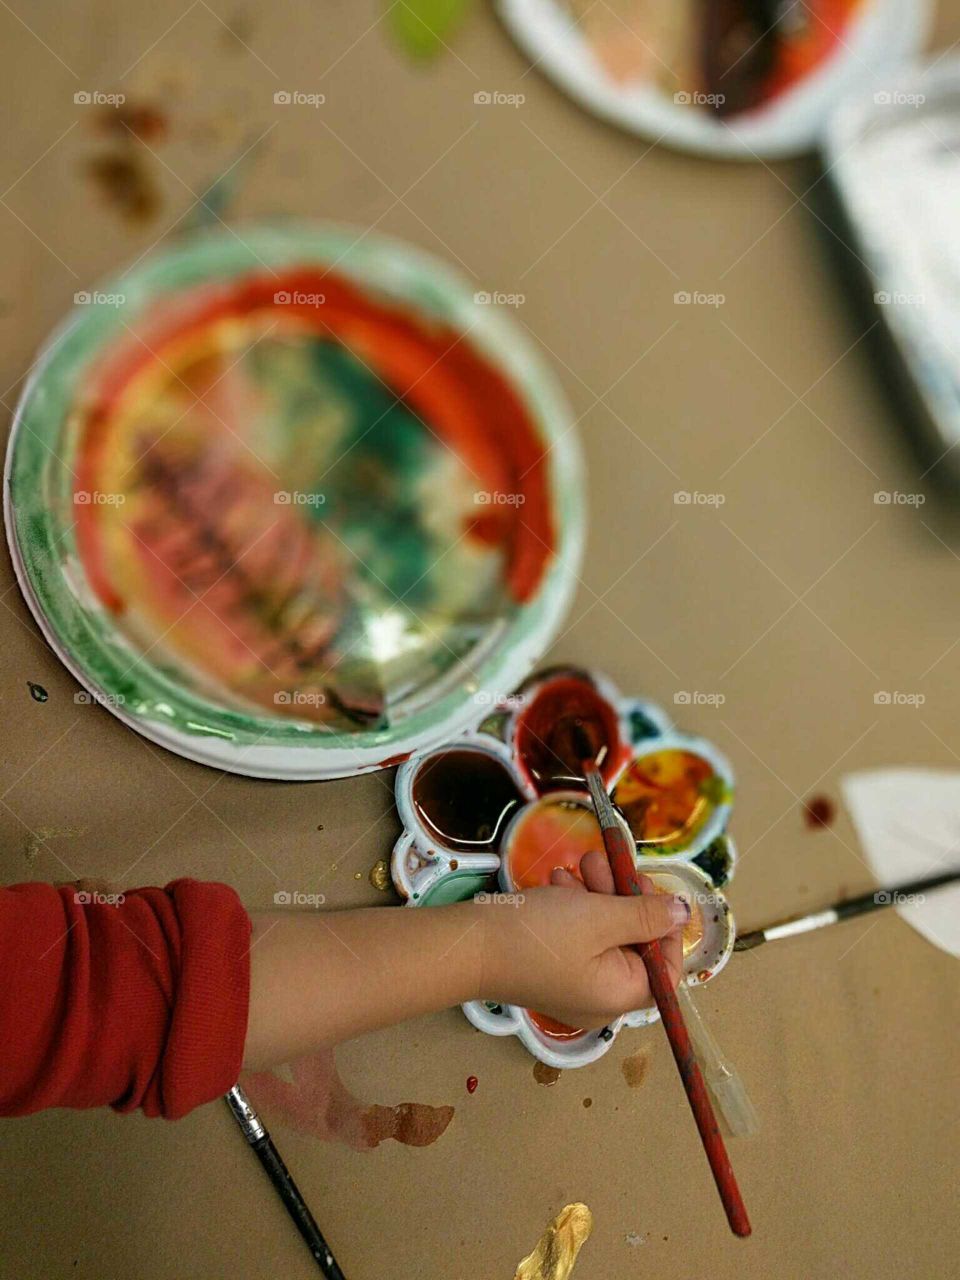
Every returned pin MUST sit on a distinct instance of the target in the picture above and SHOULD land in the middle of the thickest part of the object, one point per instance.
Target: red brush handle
(620, 854)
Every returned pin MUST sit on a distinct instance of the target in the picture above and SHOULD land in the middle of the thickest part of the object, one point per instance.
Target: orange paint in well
(553, 833)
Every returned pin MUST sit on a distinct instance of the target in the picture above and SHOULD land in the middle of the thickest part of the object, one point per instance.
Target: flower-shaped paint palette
(493, 813)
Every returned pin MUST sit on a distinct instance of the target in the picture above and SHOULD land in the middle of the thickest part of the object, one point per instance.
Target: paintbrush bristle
(581, 745)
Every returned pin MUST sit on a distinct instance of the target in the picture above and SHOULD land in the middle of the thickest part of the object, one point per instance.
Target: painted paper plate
(699, 78)
(294, 502)
(491, 814)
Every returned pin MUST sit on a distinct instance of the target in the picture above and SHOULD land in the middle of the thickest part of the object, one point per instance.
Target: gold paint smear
(556, 1253)
(36, 839)
(380, 875)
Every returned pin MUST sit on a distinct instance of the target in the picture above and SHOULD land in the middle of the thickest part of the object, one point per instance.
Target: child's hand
(564, 951)
(317, 978)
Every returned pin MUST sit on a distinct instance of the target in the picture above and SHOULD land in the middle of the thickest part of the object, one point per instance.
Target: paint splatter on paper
(126, 184)
(544, 1074)
(635, 1068)
(380, 875)
(37, 692)
(558, 1248)
(316, 1101)
(819, 812)
(37, 839)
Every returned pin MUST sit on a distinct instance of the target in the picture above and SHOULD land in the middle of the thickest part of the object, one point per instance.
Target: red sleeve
(140, 1002)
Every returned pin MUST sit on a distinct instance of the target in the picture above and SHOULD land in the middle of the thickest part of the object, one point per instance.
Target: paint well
(562, 712)
(550, 834)
(465, 799)
(667, 797)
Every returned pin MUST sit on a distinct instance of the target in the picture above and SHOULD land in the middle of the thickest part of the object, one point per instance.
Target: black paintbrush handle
(296, 1206)
(889, 897)
(874, 901)
(255, 1132)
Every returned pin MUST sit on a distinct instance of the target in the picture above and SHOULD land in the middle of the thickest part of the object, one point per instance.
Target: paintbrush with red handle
(621, 857)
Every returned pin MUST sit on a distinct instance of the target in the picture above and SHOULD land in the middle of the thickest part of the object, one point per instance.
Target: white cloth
(908, 821)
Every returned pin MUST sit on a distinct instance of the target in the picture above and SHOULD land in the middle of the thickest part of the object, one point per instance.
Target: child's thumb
(647, 916)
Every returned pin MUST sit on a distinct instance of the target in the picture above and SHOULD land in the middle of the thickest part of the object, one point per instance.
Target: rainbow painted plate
(294, 502)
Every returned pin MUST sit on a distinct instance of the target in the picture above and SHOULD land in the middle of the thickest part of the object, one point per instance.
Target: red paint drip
(819, 811)
(472, 1083)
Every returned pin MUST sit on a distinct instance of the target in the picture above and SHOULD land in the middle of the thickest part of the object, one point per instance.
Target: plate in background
(879, 39)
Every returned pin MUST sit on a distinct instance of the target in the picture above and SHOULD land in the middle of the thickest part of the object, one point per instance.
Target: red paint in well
(561, 711)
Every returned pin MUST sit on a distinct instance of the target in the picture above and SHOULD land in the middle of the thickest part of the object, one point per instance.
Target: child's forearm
(319, 979)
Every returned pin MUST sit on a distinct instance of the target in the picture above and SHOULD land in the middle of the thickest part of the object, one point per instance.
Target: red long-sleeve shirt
(137, 1003)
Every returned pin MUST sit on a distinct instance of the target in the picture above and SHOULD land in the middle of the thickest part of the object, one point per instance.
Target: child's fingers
(643, 918)
(596, 872)
(671, 944)
(565, 879)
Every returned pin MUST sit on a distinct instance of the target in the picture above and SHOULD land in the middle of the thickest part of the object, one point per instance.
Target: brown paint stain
(380, 875)
(635, 1068)
(558, 1248)
(819, 812)
(412, 1123)
(125, 184)
(544, 1074)
(317, 1102)
(588, 1102)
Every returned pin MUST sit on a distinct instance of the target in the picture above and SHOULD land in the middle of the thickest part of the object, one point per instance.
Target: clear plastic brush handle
(727, 1089)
